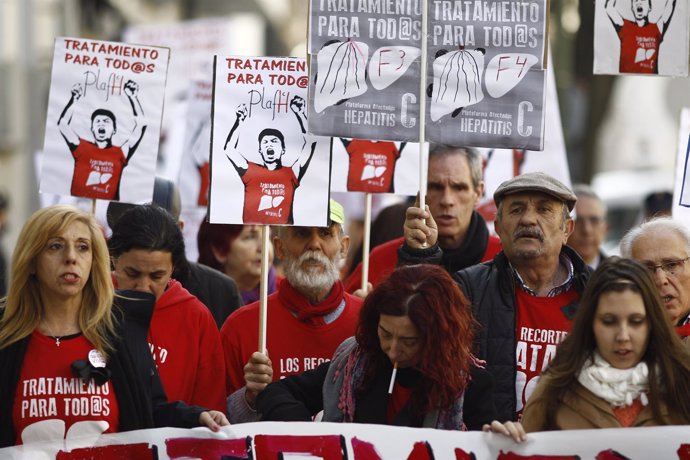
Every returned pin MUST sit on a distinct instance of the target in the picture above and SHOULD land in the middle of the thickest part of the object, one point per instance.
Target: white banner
(335, 441)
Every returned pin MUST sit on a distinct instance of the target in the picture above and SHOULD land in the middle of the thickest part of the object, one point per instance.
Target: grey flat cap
(536, 182)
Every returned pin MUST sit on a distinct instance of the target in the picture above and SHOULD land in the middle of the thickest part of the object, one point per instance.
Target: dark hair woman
(621, 365)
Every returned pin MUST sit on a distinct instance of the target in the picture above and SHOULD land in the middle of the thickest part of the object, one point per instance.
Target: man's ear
(344, 246)
(569, 227)
(480, 193)
(278, 247)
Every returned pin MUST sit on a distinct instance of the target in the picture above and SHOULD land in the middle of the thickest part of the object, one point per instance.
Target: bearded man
(308, 316)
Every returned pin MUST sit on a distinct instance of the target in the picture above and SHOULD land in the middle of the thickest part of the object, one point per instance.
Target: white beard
(312, 278)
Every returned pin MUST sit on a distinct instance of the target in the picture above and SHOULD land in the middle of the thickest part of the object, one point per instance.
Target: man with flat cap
(526, 296)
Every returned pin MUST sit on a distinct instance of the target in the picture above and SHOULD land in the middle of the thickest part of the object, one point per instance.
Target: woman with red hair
(410, 363)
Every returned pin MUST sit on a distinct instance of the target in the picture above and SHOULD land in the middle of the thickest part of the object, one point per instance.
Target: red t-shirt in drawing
(268, 195)
(202, 200)
(48, 393)
(639, 47)
(371, 166)
(97, 172)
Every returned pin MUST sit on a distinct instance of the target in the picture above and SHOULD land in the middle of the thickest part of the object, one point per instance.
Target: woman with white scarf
(622, 365)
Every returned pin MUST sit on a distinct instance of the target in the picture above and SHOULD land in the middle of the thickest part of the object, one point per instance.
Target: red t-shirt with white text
(97, 171)
(48, 394)
(540, 326)
(268, 194)
(639, 47)
(371, 166)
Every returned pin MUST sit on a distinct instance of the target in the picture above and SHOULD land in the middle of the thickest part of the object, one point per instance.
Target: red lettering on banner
(331, 447)
(683, 452)
(462, 455)
(208, 449)
(364, 450)
(421, 451)
(140, 451)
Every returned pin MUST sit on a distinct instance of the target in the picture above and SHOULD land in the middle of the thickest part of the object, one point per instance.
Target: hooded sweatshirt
(186, 348)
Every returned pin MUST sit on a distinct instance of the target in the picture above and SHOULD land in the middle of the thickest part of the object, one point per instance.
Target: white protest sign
(681, 188)
(641, 36)
(103, 122)
(265, 168)
(193, 45)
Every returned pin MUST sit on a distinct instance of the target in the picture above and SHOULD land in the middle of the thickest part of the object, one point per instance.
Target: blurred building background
(625, 126)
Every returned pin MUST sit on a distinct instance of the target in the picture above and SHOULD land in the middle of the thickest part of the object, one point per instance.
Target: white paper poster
(103, 122)
(641, 37)
(265, 168)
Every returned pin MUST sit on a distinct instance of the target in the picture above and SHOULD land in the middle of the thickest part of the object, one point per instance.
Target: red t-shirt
(540, 326)
(48, 394)
(639, 47)
(371, 166)
(293, 346)
(268, 195)
(97, 172)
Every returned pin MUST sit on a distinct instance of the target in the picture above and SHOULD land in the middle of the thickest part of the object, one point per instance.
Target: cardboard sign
(103, 123)
(265, 168)
(486, 73)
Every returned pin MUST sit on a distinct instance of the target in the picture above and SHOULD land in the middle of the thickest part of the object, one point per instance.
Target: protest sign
(681, 189)
(193, 45)
(365, 69)
(194, 174)
(341, 441)
(641, 36)
(265, 168)
(487, 73)
(375, 166)
(103, 122)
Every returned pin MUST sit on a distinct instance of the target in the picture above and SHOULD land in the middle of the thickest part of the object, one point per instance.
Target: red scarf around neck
(310, 313)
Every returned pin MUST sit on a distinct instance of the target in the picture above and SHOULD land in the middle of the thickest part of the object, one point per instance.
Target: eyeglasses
(670, 267)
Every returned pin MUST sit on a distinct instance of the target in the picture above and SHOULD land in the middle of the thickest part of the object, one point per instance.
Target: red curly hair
(443, 317)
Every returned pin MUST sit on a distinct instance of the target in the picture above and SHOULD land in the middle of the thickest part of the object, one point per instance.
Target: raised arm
(131, 144)
(665, 19)
(614, 15)
(230, 147)
(298, 107)
(65, 119)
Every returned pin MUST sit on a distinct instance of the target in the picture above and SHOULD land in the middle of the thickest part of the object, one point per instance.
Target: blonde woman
(73, 362)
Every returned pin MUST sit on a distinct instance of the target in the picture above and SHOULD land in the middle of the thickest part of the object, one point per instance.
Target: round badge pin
(96, 358)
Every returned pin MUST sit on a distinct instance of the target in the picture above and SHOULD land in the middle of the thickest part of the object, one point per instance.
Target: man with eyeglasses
(590, 225)
(663, 245)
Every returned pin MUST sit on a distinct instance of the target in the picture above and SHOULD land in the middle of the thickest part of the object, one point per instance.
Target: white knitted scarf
(619, 387)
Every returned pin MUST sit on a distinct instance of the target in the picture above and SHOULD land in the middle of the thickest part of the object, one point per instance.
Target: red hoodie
(186, 347)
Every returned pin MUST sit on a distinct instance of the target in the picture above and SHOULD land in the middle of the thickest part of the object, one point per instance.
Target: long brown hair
(22, 308)
(443, 317)
(666, 355)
